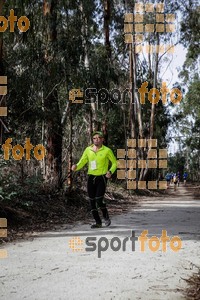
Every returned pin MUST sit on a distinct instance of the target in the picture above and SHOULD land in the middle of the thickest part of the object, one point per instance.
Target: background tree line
(80, 44)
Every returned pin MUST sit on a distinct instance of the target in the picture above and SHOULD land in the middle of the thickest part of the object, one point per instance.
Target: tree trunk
(84, 35)
(54, 130)
(154, 85)
(152, 118)
(2, 72)
(1, 40)
(105, 132)
(107, 17)
(107, 14)
(136, 100)
(130, 7)
(69, 177)
(132, 100)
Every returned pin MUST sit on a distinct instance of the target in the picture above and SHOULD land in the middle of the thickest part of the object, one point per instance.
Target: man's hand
(74, 167)
(108, 174)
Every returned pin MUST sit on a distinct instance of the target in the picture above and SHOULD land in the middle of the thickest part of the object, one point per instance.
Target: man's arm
(113, 160)
(83, 160)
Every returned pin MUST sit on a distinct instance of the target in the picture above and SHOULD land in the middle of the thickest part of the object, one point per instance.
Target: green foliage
(177, 163)
(190, 33)
(38, 66)
(14, 190)
(189, 127)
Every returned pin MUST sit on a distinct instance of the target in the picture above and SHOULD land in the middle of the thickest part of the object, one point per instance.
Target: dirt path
(46, 268)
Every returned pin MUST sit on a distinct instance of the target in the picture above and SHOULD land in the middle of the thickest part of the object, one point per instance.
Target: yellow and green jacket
(100, 159)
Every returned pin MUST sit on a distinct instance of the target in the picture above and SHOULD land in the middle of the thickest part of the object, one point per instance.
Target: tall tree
(54, 130)
(2, 72)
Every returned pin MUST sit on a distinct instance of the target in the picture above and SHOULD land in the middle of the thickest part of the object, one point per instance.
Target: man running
(97, 156)
(168, 178)
(179, 177)
(175, 179)
(185, 176)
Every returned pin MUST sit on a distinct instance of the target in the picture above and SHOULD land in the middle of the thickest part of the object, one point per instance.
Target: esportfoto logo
(102, 244)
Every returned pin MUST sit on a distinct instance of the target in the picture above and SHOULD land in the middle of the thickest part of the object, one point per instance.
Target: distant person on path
(168, 179)
(172, 176)
(178, 175)
(185, 176)
(175, 180)
(97, 156)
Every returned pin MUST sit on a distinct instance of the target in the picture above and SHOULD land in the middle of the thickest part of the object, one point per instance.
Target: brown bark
(46, 7)
(69, 179)
(1, 42)
(2, 72)
(105, 132)
(107, 18)
(107, 14)
(54, 130)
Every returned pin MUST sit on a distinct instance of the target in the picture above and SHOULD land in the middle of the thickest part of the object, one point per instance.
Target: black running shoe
(96, 225)
(107, 222)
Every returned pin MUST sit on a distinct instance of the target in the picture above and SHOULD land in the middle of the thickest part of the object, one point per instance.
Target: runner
(168, 178)
(179, 177)
(97, 156)
(185, 176)
(172, 176)
(175, 180)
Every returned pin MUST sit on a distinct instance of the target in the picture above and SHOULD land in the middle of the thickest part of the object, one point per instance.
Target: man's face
(97, 140)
